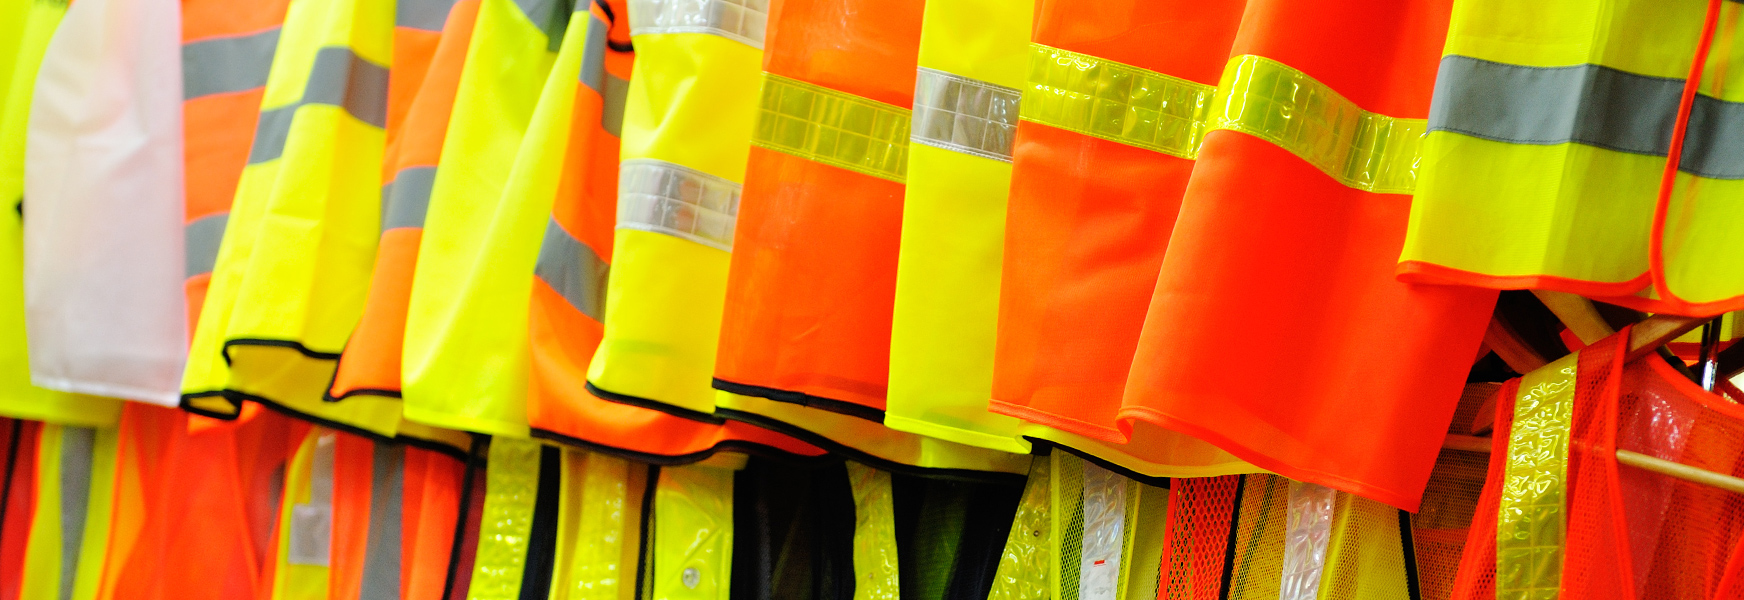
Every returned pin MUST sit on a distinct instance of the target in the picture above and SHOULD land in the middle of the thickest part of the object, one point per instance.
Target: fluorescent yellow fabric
(597, 523)
(466, 358)
(692, 553)
(511, 488)
(876, 573)
(1023, 572)
(25, 28)
(296, 577)
(69, 532)
(295, 263)
(692, 103)
(869, 437)
(1365, 555)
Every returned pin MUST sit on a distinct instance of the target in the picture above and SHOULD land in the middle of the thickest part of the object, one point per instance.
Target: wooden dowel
(1471, 443)
(1577, 314)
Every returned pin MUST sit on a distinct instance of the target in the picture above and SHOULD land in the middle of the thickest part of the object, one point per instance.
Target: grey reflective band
(1307, 535)
(75, 474)
(741, 20)
(311, 535)
(381, 555)
(200, 241)
(965, 115)
(612, 90)
(550, 17)
(612, 117)
(574, 270)
(688, 204)
(426, 15)
(340, 78)
(228, 64)
(407, 198)
(1588, 104)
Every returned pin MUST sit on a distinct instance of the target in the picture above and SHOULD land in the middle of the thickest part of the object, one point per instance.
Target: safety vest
(1547, 144)
(1108, 537)
(104, 262)
(69, 528)
(1296, 210)
(288, 286)
(22, 52)
(1305, 541)
(465, 357)
(1549, 522)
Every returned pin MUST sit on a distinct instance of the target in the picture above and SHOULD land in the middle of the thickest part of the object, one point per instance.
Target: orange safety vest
(813, 274)
(1277, 330)
(17, 499)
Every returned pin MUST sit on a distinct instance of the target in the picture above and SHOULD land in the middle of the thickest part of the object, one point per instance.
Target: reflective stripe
(75, 474)
(381, 556)
(741, 20)
(574, 270)
(230, 64)
(593, 55)
(340, 78)
(1531, 527)
(1116, 102)
(1274, 102)
(1104, 499)
(426, 15)
(834, 128)
(311, 533)
(407, 197)
(964, 115)
(1307, 533)
(1588, 104)
(876, 571)
(551, 17)
(200, 240)
(658, 196)
(612, 116)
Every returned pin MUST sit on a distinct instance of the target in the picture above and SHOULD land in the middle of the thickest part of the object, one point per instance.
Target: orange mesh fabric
(1201, 513)
(1476, 579)
(1443, 521)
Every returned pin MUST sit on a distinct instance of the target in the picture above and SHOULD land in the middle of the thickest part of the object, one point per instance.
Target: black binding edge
(641, 402)
(1408, 545)
(611, 20)
(1229, 546)
(669, 460)
(859, 456)
(1041, 447)
(803, 399)
(644, 549)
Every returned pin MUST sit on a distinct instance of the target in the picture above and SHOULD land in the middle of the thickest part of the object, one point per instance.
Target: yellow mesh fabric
(1365, 557)
(1259, 538)
(1147, 510)
(875, 565)
(1023, 565)
(1067, 523)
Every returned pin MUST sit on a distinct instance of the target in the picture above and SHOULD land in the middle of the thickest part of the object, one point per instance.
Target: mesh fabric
(1024, 564)
(1365, 557)
(1200, 517)
(1259, 538)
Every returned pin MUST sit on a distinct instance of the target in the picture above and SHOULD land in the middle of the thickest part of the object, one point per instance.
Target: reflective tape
(1116, 102)
(381, 555)
(964, 115)
(1104, 501)
(1586, 104)
(688, 204)
(551, 17)
(574, 270)
(611, 88)
(311, 532)
(1532, 525)
(612, 116)
(740, 20)
(1269, 100)
(834, 128)
(340, 78)
(228, 64)
(200, 241)
(426, 15)
(1307, 534)
(406, 199)
(75, 474)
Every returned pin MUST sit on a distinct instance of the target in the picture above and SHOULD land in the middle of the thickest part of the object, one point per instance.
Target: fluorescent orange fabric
(431, 510)
(1089, 219)
(1276, 330)
(19, 503)
(813, 274)
(371, 361)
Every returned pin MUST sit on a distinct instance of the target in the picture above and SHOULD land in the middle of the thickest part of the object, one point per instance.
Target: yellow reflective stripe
(875, 562)
(1116, 102)
(1532, 525)
(834, 128)
(1270, 100)
(1024, 564)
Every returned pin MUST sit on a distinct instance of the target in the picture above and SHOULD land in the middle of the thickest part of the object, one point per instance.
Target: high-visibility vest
(947, 295)
(295, 259)
(35, 23)
(1296, 210)
(464, 363)
(17, 499)
(69, 532)
(1546, 145)
(104, 261)
(1107, 537)
(1584, 526)
(370, 364)
(1305, 541)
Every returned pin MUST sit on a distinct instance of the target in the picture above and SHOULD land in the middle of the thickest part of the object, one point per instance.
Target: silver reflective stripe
(311, 533)
(741, 20)
(593, 55)
(1589, 104)
(381, 555)
(662, 197)
(407, 198)
(340, 78)
(612, 117)
(75, 474)
(229, 64)
(964, 115)
(426, 15)
(1104, 499)
(574, 270)
(1307, 532)
(200, 241)
(549, 17)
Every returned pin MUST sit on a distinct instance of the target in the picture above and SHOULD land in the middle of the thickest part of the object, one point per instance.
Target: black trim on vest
(1408, 545)
(859, 456)
(1229, 545)
(744, 447)
(1041, 447)
(641, 402)
(542, 535)
(818, 402)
